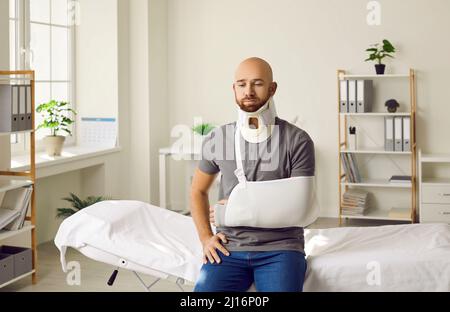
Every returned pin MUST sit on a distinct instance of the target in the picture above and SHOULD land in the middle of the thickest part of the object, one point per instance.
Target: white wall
(139, 100)
(306, 42)
(159, 88)
(148, 109)
(97, 59)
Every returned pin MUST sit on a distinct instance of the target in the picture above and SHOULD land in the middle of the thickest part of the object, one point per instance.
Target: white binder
(389, 134)
(406, 134)
(352, 96)
(344, 96)
(398, 134)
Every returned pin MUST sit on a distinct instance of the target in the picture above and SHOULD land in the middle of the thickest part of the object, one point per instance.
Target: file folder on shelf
(29, 113)
(398, 134)
(364, 96)
(406, 134)
(22, 108)
(5, 108)
(8, 108)
(15, 109)
(389, 134)
(352, 96)
(344, 96)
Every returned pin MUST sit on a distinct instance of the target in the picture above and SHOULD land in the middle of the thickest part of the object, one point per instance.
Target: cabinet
(10, 180)
(434, 192)
(381, 210)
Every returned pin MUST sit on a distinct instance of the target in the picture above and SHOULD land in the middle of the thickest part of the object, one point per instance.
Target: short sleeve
(207, 162)
(303, 156)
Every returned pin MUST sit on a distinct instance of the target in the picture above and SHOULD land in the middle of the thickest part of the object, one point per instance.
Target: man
(236, 257)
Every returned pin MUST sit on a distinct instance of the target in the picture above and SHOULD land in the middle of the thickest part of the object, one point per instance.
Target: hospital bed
(154, 241)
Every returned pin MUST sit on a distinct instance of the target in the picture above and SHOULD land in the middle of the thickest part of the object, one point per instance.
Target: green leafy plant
(203, 129)
(57, 116)
(78, 204)
(378, 51)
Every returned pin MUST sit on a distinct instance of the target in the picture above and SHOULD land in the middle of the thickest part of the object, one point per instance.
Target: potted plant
(378, 52)
(200, 132)
(77, 204)
(57, 118)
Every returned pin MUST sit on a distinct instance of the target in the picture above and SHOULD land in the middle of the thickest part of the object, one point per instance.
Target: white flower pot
(54, 145)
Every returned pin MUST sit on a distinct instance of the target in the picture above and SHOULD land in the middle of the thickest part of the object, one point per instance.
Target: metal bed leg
(147, 288)
(179, 282)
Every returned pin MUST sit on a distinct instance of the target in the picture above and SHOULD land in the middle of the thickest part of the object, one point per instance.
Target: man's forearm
(200, 214)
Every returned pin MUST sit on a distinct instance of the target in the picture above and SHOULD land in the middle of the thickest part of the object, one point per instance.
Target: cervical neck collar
(266, 120)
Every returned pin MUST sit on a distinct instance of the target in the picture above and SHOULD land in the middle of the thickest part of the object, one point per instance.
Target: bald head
(254, 67)
(253, 85)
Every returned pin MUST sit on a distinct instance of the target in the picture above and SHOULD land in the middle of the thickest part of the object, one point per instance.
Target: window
(43, 40)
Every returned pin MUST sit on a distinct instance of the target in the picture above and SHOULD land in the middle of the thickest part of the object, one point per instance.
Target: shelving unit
(375, 114)
(434, 192)
(343, 184)
(14, 179)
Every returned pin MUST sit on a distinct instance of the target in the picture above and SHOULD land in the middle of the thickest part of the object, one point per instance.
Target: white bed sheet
(412, 257)
(151, 240)
(134, 235)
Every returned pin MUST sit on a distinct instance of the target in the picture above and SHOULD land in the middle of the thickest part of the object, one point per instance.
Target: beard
(252, 104)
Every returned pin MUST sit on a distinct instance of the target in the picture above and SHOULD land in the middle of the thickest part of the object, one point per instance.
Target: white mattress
(151, 240)
(135, 236)
(413, 257)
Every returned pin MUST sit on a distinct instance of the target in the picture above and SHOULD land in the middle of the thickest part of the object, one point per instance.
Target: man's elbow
(198, 193)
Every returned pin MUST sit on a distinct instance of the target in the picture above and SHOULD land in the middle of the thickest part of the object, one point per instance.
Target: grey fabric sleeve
(302, 156)
(207, 164)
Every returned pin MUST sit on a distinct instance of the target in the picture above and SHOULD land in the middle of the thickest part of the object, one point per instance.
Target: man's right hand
(210, 245)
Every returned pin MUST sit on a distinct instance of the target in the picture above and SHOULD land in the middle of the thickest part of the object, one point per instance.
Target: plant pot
(379, 68)
(54, 145)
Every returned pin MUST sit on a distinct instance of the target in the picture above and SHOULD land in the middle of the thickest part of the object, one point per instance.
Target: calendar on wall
(99, 132)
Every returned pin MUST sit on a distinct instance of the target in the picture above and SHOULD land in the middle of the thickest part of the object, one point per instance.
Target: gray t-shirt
(289, 152)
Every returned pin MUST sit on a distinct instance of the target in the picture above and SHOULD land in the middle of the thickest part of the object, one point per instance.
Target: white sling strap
(239, 172)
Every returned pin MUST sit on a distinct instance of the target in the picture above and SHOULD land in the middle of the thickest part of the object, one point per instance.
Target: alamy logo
(373, 278)
(73, 277)
(374, 15)
(74, 13)
(219, 145)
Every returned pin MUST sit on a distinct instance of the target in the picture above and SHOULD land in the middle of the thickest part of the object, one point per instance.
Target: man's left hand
(211, 211)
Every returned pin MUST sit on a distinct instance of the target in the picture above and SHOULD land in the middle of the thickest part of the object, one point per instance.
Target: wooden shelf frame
(29, 76)
(343, 139)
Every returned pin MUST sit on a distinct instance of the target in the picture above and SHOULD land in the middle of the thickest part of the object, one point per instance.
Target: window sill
(69, 155)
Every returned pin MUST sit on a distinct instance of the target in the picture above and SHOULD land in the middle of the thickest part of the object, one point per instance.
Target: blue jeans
(271, 271)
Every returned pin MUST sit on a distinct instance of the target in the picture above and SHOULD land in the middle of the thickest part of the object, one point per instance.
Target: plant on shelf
(200, 132)
(378, 52)
(57, 117)
(78, 204)
(392, 105)
(203, 129)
